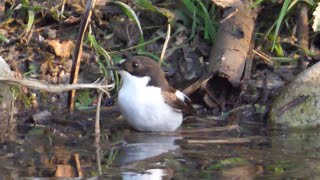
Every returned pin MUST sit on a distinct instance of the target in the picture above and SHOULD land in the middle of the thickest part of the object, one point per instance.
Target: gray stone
(298, 105)
(7, 110)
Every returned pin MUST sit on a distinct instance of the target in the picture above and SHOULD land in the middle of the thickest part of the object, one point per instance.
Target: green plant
(236, 161)
(104, 59)
(130, 13)
(257, 3)
(31, 13)
(3, 38)
(287, 7)
(163, 11)
(203, 16)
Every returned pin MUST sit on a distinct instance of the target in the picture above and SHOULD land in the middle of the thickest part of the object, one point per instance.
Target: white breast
(143, 106)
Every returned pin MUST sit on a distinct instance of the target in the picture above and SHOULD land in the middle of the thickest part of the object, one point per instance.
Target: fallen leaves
(227, 3)
(62, 49)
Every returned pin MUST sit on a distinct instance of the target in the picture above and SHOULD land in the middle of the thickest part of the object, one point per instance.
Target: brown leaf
(61, 48)
(227, 3)
(64, 171)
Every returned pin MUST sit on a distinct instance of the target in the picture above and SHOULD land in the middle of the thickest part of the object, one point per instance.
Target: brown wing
(176, 102)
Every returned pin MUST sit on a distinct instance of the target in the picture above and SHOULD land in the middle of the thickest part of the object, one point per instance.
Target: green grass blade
(257, 3)
(189, 5)
(292, 5)
(204, 17)
(194, 25)
(209, 28)
(130, 13)
(280, 20)
(4, 39)
(148, 5)
(152, 55)
(147, 42)
(102, 52)
(31, 16)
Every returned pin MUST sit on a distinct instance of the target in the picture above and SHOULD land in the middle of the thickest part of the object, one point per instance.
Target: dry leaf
(61, 48)
(227, 3)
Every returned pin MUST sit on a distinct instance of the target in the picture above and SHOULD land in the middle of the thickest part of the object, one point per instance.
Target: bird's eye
(135, 64)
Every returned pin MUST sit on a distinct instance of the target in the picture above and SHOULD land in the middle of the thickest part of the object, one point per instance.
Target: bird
(146, 100)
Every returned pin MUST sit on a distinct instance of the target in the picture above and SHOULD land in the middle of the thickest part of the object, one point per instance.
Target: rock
(7, 122)
(298, 105)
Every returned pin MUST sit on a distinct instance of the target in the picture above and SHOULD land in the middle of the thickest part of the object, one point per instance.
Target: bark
(302, 33)
(229, 54)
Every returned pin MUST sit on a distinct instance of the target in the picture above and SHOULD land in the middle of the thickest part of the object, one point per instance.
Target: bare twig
(165, 43)
(12, 109)
(195, 86)
(78, 165)
(200, 119)
(221, 141)
(97, 133)
(78, 50)
(62, 9)
(226, 114)
(263, 56)
(211, 129)
(41, 85)
(97, 121)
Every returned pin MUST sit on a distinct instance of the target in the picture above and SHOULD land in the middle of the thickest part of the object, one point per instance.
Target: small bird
(146, 100)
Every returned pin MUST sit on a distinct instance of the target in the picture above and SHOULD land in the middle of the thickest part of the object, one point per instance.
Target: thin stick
(41, 85)
(165, 44)
(226, 114)
(200, 119)
(263, 56)
(62, 9)
(212, 129)
(97, 133)
(78, 165)
(12, 109)
(78, 50)
(97, 120)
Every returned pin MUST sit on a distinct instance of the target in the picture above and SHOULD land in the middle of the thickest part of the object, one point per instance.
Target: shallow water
(69, 150)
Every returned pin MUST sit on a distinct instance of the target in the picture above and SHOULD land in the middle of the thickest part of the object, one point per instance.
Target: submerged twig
(211, 129)
(221, 141)
(200, 119)
(226, 114)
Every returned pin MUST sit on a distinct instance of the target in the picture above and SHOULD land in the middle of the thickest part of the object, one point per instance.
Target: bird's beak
(117, 67)
(114, 68)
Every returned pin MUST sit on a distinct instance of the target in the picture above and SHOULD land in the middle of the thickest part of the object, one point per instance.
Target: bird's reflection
(140, 146)
(153, 174)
